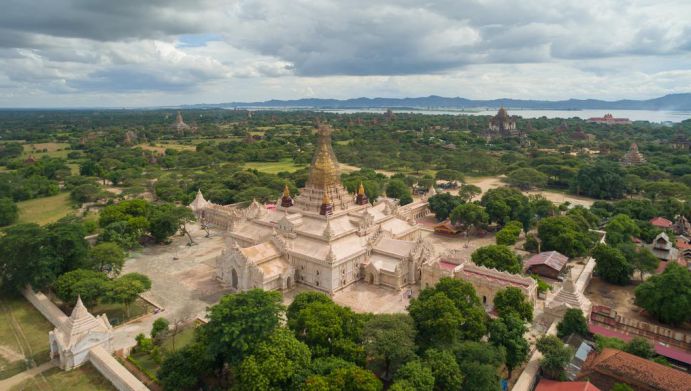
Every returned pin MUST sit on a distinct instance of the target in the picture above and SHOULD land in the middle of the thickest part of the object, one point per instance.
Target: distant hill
(676, 102)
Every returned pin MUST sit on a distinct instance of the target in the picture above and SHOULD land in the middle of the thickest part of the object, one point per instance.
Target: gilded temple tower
(324, 181)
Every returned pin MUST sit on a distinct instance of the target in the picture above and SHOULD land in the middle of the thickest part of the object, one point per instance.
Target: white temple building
(325, 238)
(71, 341)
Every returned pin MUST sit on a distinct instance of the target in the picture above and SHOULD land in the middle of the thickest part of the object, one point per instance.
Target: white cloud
(75, 52)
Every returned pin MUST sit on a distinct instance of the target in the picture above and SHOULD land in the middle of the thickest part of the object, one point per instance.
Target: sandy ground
(621, 299)
(486, 183)
(363, 297)
(184, 287)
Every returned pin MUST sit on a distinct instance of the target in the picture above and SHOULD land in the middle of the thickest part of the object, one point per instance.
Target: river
(633, 115)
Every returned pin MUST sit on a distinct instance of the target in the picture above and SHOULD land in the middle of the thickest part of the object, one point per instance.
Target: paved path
(183, 281)
(26, 375)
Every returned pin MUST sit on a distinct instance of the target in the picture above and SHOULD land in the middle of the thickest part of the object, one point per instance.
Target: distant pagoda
(633, 156)
(179, 124)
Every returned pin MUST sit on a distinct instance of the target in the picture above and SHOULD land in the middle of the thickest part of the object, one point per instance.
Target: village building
(446, 227)
(324, 238)
(72, 340)
(549, 264)
(661, 222)
(553, 385)
(662, 248)
(612, 366)
(633, 156)
(486, 281)
(681, 226)
(609, 119)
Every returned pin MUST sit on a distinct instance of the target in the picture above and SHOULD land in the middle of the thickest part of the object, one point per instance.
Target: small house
(549, 264)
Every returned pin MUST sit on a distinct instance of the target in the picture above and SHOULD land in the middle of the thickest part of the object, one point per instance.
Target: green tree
(640, 258)
(396, 188)
(159, 328)
(303, 300)
(389, 342)
(87, 192)
(126, 289)
(603, 180)
(555, 357)
(512, 300)
(89, 284)
(508, 332)
(437, 319)
(498, 257)
(21, 263)
(573, 322)
(414, 376)
(65, 240)
(621, 387)
(329, 329)
(667, 296)
(442, 204)
(640, 347)
(468, 192)
(508, 235)
(447, 374)
(621, 229)
(611, 265)
(280, 360)
(479, 352)
(504, 204)
(239, 322)
(526, 178)
(480, 377)
(470, 215)
(9, 213)
(107, 257)
(354, 379)
(563, 234)
(182, 369)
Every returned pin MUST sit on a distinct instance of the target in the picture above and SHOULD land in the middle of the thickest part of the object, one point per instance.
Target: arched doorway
(234, 279)
(484, 300)
(289, 282)
(371, 278)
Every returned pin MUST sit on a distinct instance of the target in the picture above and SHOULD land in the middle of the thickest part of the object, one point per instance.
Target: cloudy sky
(59, 53)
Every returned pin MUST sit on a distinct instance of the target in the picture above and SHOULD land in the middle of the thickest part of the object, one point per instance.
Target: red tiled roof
(622, 366)
(553, 259)
(661, 222)
(662, 350)
(681, 244)
(551, 385)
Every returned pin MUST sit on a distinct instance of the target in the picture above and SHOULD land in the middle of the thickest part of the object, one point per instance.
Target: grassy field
(52, 150)
(161, 148)
(182, 339)
(116, 312)
(23, 333)
(144, 360)
(45, 210)
(84, 378)
(286, 165)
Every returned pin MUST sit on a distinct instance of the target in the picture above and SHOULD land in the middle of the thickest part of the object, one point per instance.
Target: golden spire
(361, 189)
(286, 191)
(324, 170)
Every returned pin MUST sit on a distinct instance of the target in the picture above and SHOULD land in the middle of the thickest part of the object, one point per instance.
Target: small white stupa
(567, 297)
(71, 342)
